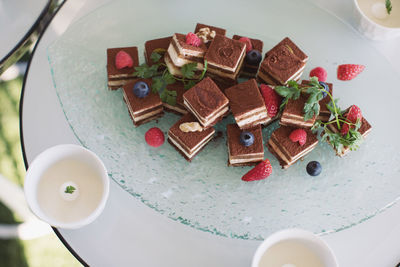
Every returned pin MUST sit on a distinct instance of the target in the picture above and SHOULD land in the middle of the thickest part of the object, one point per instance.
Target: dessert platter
(244, 153)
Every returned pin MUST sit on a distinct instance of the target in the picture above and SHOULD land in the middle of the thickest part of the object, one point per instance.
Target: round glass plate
(206, 194)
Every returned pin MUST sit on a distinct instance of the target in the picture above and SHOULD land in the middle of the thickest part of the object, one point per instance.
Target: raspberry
(320, 73)
(246, 41)
(154, 137)
(272, 100)
(261, 171)
(352, 116)
(348, 72)
(298, 135)
(193, 39)
(122, 60)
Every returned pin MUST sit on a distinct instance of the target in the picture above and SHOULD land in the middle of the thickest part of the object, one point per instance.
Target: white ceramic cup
(310, 240)
(370, 28)
(69, 153)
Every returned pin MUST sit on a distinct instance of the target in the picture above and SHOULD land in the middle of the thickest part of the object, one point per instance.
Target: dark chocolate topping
(112, 52)
(212, 28)
(281, 136)
(151, 45)
(244, 97)
(224, 51)
(205, 97)
(190, 139)
(236, 148)
(138, 104)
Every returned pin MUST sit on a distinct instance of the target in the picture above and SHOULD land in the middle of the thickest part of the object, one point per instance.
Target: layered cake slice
(225, 57)
(282, 63)
(206, 102)
(143, 105)
(253, 57)
(288, 151)
(178, 106)
(324, 113)
(159, 46)
(293, 113)
(188, 137)
(180, 52)
(201, 26)
(364, 130)
(121, 63)
(247, 104)
(244, 147)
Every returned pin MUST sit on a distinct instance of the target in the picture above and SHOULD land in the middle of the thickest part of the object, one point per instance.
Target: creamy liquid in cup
(290, 253)
(58, 205)
(376, 11)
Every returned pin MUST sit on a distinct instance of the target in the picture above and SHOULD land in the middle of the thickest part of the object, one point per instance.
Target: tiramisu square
(117, 77)
(293, 113)
(247, 104)
(159, 46)
(324, 113)
(178, 106)
(282, 63)
(217, 30)
(225, 57)
(364, 130)
(250, 65)
(143, 109)
(206, 102)
(180, 53)
(188, 137)
(238, 153)
(285, 150)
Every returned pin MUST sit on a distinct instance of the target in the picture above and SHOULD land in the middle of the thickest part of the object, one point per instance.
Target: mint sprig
(69, 189)
(291, 91)
(388, 5)
(159, 83)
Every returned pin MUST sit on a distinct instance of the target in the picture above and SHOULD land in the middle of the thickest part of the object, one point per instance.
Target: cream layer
(180, 61)
(175, 108)
(211, 118)
(281, 154)
(190, 153)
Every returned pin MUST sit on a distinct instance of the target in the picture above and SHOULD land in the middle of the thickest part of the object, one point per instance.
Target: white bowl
(371, 29)
(308, 239)
(63, 165)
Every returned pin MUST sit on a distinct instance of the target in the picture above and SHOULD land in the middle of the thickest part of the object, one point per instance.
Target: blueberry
(246, 138)
(326, 88)
(253, 57)
(314, 168)
(141, 89)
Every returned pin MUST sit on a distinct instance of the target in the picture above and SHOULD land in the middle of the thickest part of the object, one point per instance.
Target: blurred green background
(46, 251)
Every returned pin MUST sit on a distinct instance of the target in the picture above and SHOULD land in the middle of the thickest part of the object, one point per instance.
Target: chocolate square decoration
(156, 45)
(225, 53)
(111, 54)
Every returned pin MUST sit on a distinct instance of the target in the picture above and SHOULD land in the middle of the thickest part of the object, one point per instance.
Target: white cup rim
(31, 182)
(292, 234)
(370, 20)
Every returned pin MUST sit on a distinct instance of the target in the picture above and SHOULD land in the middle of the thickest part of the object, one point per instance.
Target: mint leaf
(388, 5)
(189, 84)
(169, 78)
(155, 57)
(69, 189)
(145, 72)
(188, 70)
(157, 84)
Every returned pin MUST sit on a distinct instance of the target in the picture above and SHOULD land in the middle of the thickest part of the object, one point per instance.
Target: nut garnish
(190, 127)
(206, 35)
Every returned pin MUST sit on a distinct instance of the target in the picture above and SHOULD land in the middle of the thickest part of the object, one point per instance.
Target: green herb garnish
(69, 189)
(291, 91)
(388, 5)
(160, 82)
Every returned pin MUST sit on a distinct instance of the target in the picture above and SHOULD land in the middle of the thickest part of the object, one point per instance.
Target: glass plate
(206, 194)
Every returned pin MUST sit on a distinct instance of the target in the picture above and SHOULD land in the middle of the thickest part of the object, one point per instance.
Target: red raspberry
(272, 100)
(320, 73)
(348, 72)
(246, 41)
(122, 60)
(299, 135)
(352, 116)
(193, 39)
(154, 137)
(261, 171)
